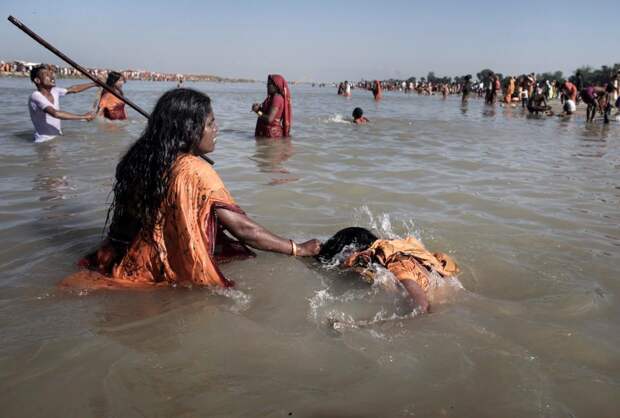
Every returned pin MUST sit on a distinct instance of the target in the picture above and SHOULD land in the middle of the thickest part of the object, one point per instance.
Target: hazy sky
(319, 40)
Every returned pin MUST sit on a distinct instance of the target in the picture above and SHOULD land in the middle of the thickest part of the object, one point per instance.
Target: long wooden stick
(76, 65)
(81, 69)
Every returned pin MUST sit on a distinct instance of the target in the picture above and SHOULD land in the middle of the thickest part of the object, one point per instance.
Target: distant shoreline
(210, 78)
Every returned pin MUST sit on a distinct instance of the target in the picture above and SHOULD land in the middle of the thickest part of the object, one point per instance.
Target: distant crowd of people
(533, 94)
(22, 68)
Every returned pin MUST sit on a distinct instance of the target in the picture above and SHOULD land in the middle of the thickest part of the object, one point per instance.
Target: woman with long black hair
(171, 210)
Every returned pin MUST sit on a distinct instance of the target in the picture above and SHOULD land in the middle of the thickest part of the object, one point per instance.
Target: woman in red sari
(109, 106)
(275, 114)
(377, 91)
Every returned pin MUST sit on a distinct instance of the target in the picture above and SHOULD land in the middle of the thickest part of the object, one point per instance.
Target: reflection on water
(269, 157)
(528, 207)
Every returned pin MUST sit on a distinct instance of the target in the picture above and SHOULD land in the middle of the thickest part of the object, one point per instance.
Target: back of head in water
(354, 237)
(358, 113)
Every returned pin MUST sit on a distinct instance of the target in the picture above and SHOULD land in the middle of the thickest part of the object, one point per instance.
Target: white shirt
(46, 126)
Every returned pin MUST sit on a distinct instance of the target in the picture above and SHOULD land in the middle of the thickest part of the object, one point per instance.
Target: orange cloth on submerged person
(185, 245)
(113, 108)
(406, 259)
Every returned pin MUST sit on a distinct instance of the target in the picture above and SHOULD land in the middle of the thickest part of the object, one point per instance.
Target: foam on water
(241, 301)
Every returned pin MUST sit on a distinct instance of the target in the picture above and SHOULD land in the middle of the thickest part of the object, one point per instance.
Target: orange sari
(406, 259)
(113, 108)
(183, 248)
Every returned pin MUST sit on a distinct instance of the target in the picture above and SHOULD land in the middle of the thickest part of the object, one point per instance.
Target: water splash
(328, 308)
(382, 224)
(337, 118)
(241, 301)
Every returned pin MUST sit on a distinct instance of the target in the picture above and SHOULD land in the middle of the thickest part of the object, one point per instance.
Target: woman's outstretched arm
(250, 233)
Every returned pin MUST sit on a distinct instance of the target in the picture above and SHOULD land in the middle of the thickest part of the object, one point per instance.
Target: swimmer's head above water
(358, 116)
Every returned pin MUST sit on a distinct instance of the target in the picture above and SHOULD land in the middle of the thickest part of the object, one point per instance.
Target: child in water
(358, 116)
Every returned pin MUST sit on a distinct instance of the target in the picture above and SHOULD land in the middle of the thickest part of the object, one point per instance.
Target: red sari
(281, 125)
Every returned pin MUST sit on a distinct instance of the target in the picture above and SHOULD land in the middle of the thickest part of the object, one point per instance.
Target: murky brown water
(528, 207)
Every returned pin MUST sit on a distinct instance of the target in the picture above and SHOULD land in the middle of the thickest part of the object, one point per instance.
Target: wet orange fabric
(113, 108)
(406, 258)
(181, 248)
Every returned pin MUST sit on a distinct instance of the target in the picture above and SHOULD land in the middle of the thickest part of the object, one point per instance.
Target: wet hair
(358, 113)
(176, 126)
(34, 73)
(357, 238)
(113, 77)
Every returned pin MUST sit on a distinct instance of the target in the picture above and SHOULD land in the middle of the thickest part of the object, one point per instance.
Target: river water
(528, 207)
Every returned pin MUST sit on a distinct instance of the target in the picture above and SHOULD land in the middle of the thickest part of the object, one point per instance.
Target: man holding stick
(44, 104)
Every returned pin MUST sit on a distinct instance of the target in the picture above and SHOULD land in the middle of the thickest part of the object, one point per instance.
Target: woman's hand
(255, 107)
(309, 248)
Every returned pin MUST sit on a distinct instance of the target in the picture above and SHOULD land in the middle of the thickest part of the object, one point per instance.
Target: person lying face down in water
(358, 116)
(173, 219)
(407, 259)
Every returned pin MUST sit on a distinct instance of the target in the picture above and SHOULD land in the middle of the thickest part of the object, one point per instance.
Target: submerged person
(171, 213)
(407, 259)
(110, 107)
(44, 104)
(358, 116)
(377, 91)
(275, 114)
(466, 89)
(538, 102)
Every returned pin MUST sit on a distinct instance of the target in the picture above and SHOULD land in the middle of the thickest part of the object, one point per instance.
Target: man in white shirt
(44, 104)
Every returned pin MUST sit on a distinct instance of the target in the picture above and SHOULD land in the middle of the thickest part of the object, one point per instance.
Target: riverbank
(188, 77)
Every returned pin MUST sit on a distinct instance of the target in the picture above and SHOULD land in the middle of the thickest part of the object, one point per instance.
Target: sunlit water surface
(528, 207)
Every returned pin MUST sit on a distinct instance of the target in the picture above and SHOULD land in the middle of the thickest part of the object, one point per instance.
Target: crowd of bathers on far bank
(599, 92)
(173, 222)
(18, 68)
